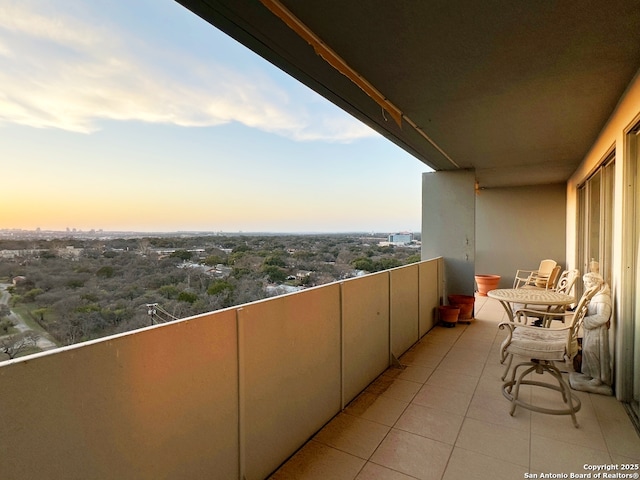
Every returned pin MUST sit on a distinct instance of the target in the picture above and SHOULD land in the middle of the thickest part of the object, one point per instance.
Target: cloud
(66, 72)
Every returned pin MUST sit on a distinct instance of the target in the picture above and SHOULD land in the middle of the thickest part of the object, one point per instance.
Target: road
(43, 342)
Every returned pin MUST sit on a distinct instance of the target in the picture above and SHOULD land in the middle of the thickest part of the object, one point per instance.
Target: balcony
(442, 416)
(311, 378)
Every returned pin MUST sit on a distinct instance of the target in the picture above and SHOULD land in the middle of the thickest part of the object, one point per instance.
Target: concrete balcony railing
(227, 395)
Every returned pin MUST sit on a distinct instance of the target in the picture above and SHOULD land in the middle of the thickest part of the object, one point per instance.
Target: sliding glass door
(596, 220)
(630, 305)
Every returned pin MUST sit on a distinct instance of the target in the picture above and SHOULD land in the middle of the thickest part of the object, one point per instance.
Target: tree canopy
(106, 288)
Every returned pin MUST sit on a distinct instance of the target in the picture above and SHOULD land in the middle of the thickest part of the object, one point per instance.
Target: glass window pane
(594, 217)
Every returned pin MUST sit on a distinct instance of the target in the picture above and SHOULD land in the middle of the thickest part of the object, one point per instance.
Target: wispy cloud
(63, 71)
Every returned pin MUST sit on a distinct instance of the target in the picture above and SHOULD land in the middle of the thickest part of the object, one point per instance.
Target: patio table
(526, 296)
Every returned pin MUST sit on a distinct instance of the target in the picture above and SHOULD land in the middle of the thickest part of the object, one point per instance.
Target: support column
(448, 226)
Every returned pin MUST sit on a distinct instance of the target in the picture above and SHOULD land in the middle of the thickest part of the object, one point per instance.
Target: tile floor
(443, 416)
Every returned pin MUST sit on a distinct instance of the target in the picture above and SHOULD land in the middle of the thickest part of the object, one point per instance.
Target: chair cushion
(538, 343)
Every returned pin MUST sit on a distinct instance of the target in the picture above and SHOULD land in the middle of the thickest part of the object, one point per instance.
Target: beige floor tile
(353, 435)
(484, 326)
(621, 438)
(443, 399)
(486, 336)
(494, 353)
(479, 347)
(497, 343)
(498, 441)
(608, 408)
(494, 409)
(621, 459)
(444, 335)
(437, 348)
(494, 364)
(372, 471)
(430, 423)
(489, 312)
(413, 455)
(453, 380)
(471, 353)
(464, 365)
(472, 344)
(558, 428)
(316, 461)
(465, 465)
(489, 385)
(548, 455)
(376, 408)
(479, 332)
(413, 373)
(496, 348)
(494, 369)
(397, 388)
(484, 331)
(422, 357)
(477, 329)
(490, 305)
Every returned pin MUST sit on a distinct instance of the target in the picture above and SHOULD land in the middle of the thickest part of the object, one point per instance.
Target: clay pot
(465, 303)
(448, 315)
(486, 283)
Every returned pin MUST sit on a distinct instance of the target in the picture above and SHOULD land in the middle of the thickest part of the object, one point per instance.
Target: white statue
(596, 360)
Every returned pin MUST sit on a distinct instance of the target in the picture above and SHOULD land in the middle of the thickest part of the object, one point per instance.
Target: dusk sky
(138, 115)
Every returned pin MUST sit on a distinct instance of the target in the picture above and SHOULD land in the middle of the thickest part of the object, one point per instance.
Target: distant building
(70, 252)
(220, 271)
(403, 238)
(21, 253)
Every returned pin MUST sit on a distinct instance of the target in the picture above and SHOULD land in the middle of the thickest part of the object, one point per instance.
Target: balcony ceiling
(517, 90)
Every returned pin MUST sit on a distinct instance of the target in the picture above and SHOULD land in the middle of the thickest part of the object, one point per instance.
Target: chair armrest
(524, 273)
(544, 316)
(508, 325)
(512, 326)
(522, 277)
(538, 313)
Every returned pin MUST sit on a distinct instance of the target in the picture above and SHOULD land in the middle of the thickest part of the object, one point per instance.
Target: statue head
(592, 279)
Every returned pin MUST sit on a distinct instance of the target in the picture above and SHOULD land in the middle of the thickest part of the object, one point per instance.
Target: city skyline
(139, 116)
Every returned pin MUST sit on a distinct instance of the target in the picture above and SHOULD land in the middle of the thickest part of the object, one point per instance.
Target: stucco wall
(517, 227)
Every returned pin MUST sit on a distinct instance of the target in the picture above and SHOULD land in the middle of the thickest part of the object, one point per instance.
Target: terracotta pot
(486, 283)
(465, 303)
(448, 315)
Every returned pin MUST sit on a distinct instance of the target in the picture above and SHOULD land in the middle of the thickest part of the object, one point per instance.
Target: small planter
(487, 283)
(465, 303)
(448, 315)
